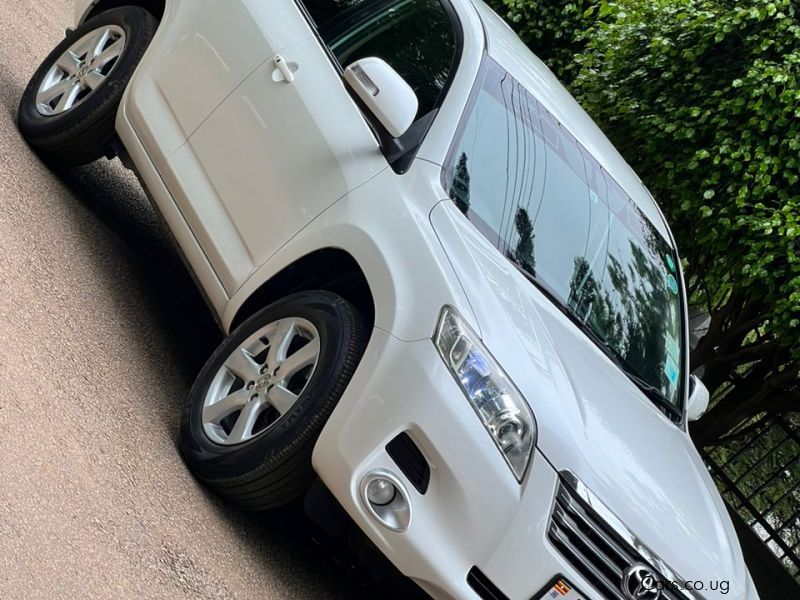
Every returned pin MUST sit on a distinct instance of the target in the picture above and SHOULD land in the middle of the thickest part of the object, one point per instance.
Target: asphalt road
(101, 334)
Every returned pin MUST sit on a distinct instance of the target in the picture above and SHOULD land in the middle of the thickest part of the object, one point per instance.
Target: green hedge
(703, 99)
(553, 30)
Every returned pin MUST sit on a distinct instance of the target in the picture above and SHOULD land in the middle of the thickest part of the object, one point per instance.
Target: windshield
(549, 207)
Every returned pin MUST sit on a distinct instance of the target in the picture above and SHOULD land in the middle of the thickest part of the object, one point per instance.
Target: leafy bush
(552, 29)
(702, 97)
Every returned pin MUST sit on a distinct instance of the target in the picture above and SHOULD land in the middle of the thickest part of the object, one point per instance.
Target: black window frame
(399, 152)
(679, 416)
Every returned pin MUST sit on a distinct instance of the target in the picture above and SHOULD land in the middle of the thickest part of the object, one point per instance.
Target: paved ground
(101, 333)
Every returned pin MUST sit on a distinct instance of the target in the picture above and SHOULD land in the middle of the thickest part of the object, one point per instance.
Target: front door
(290, 140)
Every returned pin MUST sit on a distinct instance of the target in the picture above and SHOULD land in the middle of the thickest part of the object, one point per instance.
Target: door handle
(283, 70)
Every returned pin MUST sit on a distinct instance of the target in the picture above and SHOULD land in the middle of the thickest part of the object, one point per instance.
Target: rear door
(205, 49)
(290, 140)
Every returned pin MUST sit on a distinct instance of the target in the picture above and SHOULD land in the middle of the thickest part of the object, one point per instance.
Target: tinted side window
(415, 37)
(323, 11)
(536, 194)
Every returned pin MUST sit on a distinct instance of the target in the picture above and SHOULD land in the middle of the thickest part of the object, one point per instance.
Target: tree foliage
(553, 29)
(703, 99)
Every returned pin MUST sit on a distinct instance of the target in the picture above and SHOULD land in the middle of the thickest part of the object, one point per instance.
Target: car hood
(593, 421)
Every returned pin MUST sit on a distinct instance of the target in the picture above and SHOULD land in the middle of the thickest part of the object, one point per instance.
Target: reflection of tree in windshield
(630, 314)
(524, 252)
(647, 326)
(582, 288)
(548, 206)
(459, 191)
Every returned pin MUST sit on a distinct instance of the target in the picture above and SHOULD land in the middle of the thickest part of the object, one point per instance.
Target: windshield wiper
(648, 389)
(655, 395)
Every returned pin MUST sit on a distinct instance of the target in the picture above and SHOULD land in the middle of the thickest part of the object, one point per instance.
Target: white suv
(446, 294)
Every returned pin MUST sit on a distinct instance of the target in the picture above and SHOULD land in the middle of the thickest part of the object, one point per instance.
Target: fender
(409, 274)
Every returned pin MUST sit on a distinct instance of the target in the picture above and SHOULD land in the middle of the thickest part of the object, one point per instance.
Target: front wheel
(260, 402)
(68, 110)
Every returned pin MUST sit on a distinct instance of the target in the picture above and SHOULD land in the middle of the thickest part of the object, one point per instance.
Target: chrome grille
(596, 549)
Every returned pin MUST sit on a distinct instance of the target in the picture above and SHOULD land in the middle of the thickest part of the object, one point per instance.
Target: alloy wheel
(80, 70)
(260, 381)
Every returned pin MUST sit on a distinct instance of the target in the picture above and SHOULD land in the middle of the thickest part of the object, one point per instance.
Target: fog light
(381, 491)
(386, 499)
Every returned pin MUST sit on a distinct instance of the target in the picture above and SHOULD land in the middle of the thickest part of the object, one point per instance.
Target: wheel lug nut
(254, 397)
(250, 385)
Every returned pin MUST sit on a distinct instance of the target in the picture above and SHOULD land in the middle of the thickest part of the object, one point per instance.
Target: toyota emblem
(640, 582)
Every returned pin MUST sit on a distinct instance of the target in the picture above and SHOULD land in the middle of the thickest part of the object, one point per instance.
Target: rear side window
(415, 37)
(546, 204)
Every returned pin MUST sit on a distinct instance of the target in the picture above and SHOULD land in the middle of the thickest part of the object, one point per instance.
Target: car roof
(508, 50)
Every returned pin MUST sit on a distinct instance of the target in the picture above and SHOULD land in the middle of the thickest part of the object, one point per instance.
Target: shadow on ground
(119, 202)
(191, 334)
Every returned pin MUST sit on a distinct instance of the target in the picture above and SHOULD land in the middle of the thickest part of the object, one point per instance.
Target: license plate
(560, 589)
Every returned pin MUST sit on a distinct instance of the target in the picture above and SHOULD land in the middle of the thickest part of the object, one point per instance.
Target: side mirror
(384, 92)
(698, 398)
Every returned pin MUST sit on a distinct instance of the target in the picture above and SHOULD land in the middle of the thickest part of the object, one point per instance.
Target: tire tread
(77, 141)
(282, 477)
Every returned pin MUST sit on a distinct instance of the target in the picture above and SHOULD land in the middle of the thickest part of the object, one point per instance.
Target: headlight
(499, 405)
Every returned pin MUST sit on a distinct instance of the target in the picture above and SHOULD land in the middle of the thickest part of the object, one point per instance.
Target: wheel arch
(331, 269)
(154, 7)
(398, 266)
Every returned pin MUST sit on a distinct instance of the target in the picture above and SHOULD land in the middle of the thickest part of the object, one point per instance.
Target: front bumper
(473, 513)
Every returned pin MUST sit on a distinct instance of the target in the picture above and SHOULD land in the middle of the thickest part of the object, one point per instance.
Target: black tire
(82, 134)
(274, 468)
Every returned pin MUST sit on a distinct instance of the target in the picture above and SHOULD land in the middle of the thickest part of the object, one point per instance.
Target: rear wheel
(260, 402)
(68, 110)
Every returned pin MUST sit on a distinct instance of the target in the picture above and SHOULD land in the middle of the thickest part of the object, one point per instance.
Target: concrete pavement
(101, 333)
